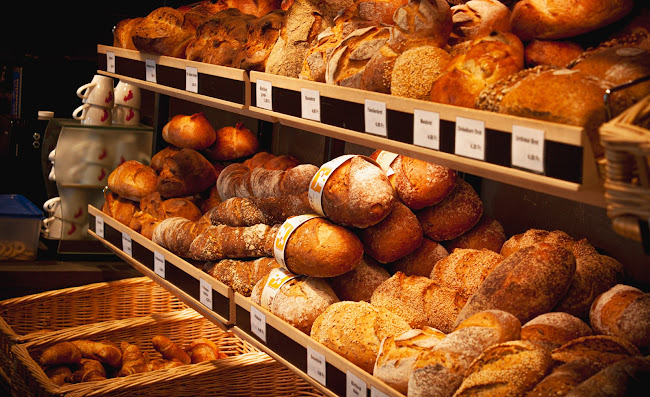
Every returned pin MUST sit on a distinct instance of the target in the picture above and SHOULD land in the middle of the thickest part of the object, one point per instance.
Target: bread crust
(189, 131)
(133, 180)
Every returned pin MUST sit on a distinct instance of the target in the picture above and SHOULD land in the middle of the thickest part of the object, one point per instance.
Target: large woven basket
(23, 318)
(245, 372)
(626, 140)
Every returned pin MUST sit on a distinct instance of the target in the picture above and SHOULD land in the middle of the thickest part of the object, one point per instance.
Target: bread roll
(416, 69)
(132, 180)
(623, 378)
(359, 283)
(555, 328)
(477, 18)
(123, 33)
(241, 275)
(397, 235)
(232, 143)
(420, 262)
(526, 284)
(563, 379)
(623, 311)
(189, 131)
(557, 53)
(119, 208)
(185, 173)
(158, 159)
(558, 19)
(355, 330)
(488, 233)
(456, 214)
(298, 301)
(163, 32)
(599, 350)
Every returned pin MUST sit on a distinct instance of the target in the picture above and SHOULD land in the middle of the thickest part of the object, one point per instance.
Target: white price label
(528, 148)
(426, 129)
(150, 70)
(355, 387)
(191, 79)
(127, 244)
(470, 138)
(316, 365)
(264, 94)
(310, 104)
(110, 61)
(375, 117)
(99, 226)
(258, 323)
(205, 293)
(374, 392)
(159, 264)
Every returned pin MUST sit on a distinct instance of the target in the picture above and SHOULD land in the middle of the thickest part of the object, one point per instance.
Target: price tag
(470, 138)
(127, 244)
(159, 264)
(264, 94)
(355, 387)
(150, 70)
(310, 104)
(205, 293)
(110, 61)
(316, 365)
(528, 148)
(426, 129)
(375, 117)
(99, 226)
(258, 323)
(374, 392)
(191, 79)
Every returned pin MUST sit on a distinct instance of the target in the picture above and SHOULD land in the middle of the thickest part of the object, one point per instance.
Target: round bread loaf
(398, 353)
(355, 330)
(454, 215)
(421, 261)
(558, 19)
(526, 284)
(158, 159)
(507, 326)
(557, 237)
(378, 11)
(241, 275)
(119, 208)
(623, 311)
(132, 180)
(425, 19)
(232, 142)
(416, 69)
(185, 173)
(557, 53)
(488, 233)
(404, 296)
(476, 18)
(189, 131)
(627, 377)
(563, 379)
(259, 159)
(263, 32)
(359, 283)
(442, 306)
(599, 350)
(163, 32)
(397, 235)
(555, 328)
(298, 301)
(281, 162)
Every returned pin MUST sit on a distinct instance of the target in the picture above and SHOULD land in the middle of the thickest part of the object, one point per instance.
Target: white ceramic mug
(52, 228)
(98, 92)
(93, 115)
(126, 115)
(127, 94)
(52, 205)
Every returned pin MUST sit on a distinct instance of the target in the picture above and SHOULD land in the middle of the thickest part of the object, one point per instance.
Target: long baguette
(221, 242)
(249, 211)
(176, 234)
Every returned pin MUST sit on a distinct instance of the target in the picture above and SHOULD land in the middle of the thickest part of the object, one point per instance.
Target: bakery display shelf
(213, 299)
(317, 364)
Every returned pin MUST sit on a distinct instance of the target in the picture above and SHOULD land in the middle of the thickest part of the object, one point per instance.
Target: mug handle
(84, 95)
(81, 109)
(51, 204)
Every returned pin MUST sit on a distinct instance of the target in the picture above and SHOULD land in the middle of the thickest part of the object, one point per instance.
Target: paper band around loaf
(276, 279)
(319, 180)
(284, 233)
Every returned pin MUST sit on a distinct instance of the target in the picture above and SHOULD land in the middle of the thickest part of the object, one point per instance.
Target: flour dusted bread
(359, 283)
(488, 233)
(533, 236)
(133, 180)
(555, 328)
(177, 234)
(241, 275)
(355, 330)
(475, 18)
(189, 131)
(416, 69)
(249, 211)
(263, 32)
(425, 21)
(238, 180)
(420, 262)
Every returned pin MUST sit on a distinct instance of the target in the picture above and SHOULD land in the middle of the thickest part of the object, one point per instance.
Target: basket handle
(620, 87)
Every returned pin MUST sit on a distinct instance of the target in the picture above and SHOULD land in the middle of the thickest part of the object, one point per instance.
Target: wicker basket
(26, 317)
(626, 140)
(245, 372)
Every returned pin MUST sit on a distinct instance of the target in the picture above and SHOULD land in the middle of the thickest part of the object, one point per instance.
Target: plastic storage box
(20, 225)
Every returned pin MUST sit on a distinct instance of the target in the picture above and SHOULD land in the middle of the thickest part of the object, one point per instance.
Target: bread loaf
(555, 328)
(454, 215)
(185, 173)
(259, 159)
(477, 18)
(557, 237)
(158, 159)
(132, 180)
(249, 211)
(557, 53)
(420, 262)
(176, 234)
(163, 32)
(298, 301)
(397, 235)
(425, 21)
(526, 284)
(599, 350)
(359, 283)
(123, 33)
(189, 131)
(241, 275)
(232, 142)
(119, 208)
(623, 378)
(220, 38)
(563, 379)
(415, 71)
(263, 32)
(355, 330)
(488, 233)
(222, 242)
(404, 296)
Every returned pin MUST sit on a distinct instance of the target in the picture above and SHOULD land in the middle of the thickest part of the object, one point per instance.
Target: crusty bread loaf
(420, 262)
(395, 236)
(623, 311)
(298, 301)
(249, 211)
(442, 306)
(198, 13)
(558, 237)
(488, 233)
(119, 208)
(262, 34)
(241, 275)
(158, 159)
(404, 296)
(599, 350)
(555, 328)
(558, 19)
(259, 159)
(551, 52)
(378, 11)
(185, 173)
(189, 131)
(454, 215)
(176, 234)
(132, 180)
(359, 283)
(123, 33)
(476, 18)
(563, 379)
(526, 284)
(163, 32)
(506, 326)
(281, 162)
(232, 142)
(627, 377)
(228, 26)
(355, 330)
(221, 242)
(416, 69)
(425, 21)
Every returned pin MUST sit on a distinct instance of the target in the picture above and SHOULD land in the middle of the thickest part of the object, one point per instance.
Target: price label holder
(470, 138)
(205, 293)
(110, 61)
(258, 323)
(99, 226)
(159, 264)
(310, 104)
(528, 148)
(375, 117)
(316, 365)
(191, 79)
(264, 94)
(426, 129)
(355, 387)
(150, 70)
(127, 244)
